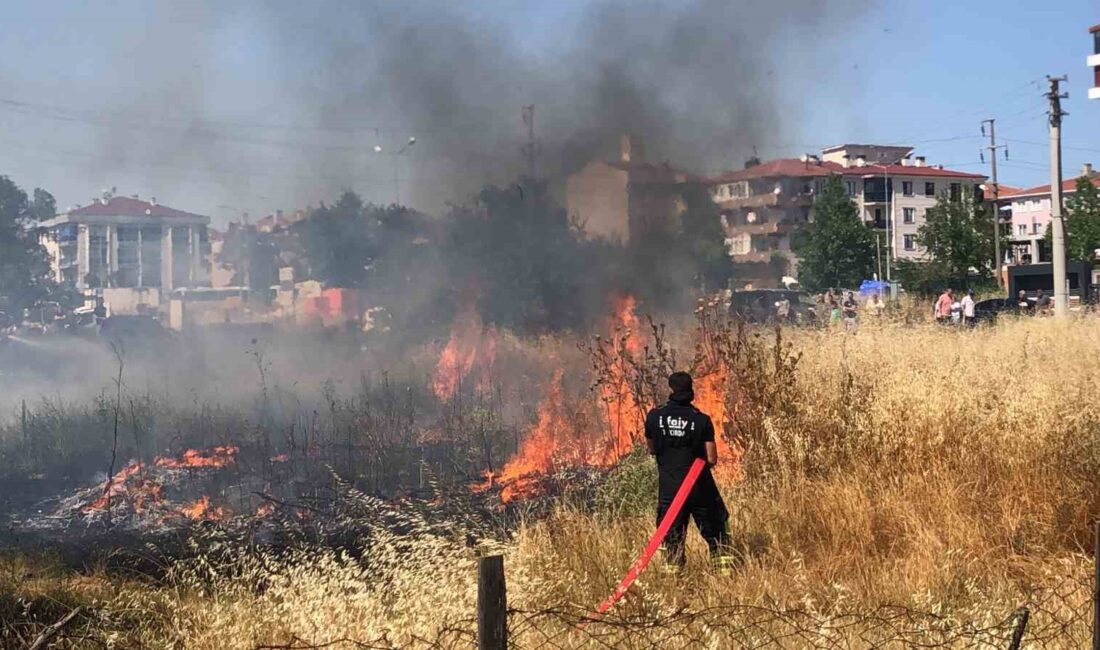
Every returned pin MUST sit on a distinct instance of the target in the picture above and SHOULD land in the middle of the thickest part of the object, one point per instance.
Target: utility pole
(993, 146)
(1057, 227)
(530, 148)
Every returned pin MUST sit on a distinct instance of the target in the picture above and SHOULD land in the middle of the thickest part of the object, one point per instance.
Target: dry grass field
(915, 485)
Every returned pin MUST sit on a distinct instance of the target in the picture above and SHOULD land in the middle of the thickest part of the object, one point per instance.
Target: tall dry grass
(949, 475)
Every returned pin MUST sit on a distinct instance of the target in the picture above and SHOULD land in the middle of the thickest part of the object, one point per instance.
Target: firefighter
(676, 434)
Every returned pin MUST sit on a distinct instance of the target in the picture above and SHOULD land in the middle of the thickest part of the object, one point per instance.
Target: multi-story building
(128, 250)
(1093, 62)
(1031, 215)
(763, 205)
(617, 200)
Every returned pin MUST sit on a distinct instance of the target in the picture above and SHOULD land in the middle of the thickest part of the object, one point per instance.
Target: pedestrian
(969, 317)
(956, 312)
(875, 305)
(833, 302)
(943, 307)
(677, 434)
(850, 307)
(1022, 302)
(783, 309)
(1042, 302)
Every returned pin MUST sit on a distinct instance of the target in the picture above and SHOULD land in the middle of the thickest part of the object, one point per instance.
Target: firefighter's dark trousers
(704, 505)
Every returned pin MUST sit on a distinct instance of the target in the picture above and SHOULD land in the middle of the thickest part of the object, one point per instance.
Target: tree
(702, 239)
(957, 239)
(24, 265)
(44, 206)
(1082, 221)
(515, 248)
(836, 248)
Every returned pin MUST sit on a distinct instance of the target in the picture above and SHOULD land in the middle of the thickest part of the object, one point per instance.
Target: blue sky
(100, 94)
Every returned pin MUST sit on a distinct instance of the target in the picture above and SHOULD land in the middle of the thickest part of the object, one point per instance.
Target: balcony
(754, 256)
(768, 200)
(767, 228)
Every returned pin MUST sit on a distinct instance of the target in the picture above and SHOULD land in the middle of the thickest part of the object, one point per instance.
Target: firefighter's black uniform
(679, 432)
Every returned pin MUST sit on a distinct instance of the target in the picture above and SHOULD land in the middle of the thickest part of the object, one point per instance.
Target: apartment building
(619, 199)
(1031, 214)
(763, 205)
(130, 251)
(1093, 62)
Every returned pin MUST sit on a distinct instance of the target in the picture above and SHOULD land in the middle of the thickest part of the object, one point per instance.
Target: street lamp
(396, 166)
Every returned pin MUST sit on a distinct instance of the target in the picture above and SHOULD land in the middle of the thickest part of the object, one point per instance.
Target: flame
(624, 415)
(214, 457)
(202, 510)
(281, 458)
(551, 443)
(139, 492)
(471, 345)
(710, 398)
(562, 437)
(265, 509)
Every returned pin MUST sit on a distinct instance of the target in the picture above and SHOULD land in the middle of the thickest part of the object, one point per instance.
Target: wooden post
(1096, 588)
(1021, 625)
(492, 604)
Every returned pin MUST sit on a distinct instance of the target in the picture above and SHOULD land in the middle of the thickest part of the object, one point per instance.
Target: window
(851, 187)
(1035, 228)
(956, 191)
(1022, 228)
(909, 242)
(907, 188)
(908, 215)
(128, 256)
(930, 188)
(1096, 42)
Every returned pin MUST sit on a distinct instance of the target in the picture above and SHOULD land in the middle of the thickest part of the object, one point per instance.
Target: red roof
(1094, 29)
(776, 168)
(788, 167)
(1043, 190)
(121, 206)
(907, 170)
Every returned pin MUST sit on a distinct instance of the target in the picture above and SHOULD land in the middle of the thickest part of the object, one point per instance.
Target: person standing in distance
(677, 434)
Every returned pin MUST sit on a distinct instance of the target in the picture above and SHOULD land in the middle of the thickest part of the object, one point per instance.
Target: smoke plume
(253, 106)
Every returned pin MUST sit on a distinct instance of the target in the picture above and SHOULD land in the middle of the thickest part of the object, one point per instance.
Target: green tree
(836, 249)
(1082, 221)
(957, 237)
(24, 265)
(44, 206)
(702, 239)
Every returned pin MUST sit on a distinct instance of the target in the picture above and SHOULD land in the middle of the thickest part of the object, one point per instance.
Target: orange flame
(265, 509)
(202, 510)
(214, 457)
(710, 399)
(560, 438)
(624, 415)
(471, 345)
(118, 487)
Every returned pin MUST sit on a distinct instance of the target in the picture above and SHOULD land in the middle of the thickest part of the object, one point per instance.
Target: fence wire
(1051, 617)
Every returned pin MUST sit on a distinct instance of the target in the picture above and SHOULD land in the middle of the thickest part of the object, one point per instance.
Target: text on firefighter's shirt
(675, 427)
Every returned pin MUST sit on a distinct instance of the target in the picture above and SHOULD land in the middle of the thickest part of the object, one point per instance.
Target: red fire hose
(655, 541)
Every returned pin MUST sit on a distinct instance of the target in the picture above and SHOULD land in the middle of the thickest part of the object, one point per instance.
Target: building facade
(617, 200)
(763, 205)
(1031, 216)
(129, 250)
(1093, 62)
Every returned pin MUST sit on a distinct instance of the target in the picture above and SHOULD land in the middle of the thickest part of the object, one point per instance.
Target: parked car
(986, 311)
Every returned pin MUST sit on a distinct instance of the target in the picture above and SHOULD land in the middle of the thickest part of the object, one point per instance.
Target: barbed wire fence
(1052, 617)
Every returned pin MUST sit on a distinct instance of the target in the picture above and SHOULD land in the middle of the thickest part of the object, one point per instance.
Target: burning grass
(906, 484)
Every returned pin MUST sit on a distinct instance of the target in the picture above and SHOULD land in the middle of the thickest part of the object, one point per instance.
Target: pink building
(1031, 215)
